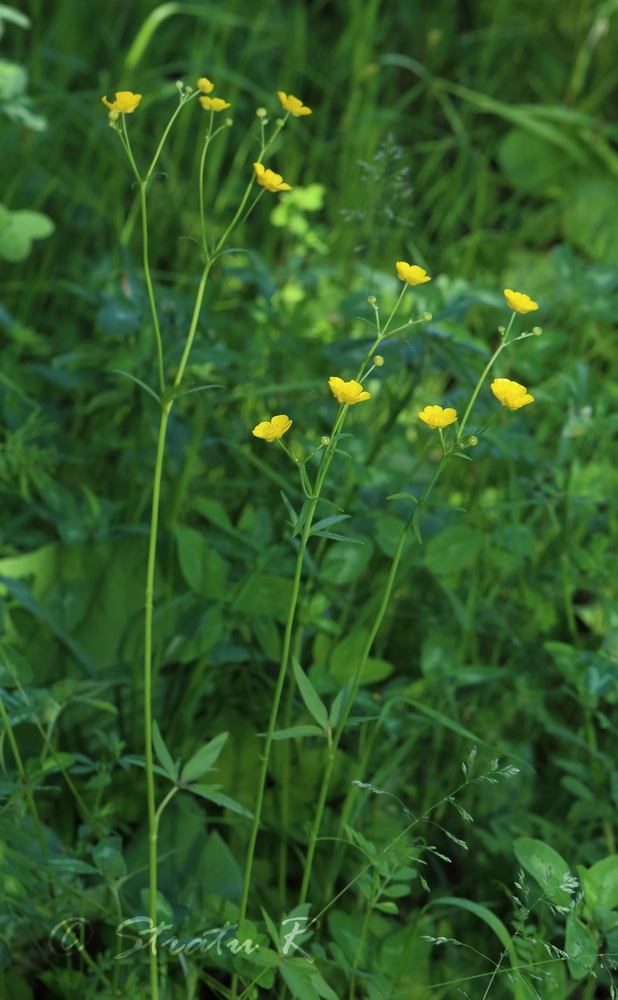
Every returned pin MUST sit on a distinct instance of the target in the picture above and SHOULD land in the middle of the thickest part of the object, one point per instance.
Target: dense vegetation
(369, 711)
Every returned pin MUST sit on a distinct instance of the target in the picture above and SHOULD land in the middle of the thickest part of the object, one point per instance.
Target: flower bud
(280, 123)
(188, 90)
(179, 85)
(537, 331)
(113, 116)
(378, 360)
(261, 112)
(372, 300)
(324, 440)
(472, 440)
(501, 330)
(228, 122)
(426, 317)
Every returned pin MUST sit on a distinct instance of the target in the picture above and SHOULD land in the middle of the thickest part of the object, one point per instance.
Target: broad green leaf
(453, 549)
(19, 229)
(203, 760)
(546, 866)
(346, 561)
(506, 938)
(582, 947)
(600, 883)
(107, 856)
(202, 567)
(311, 698)
(346, 655)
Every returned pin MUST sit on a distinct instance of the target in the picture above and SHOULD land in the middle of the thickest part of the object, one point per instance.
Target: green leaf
(290, 509)
(345, 562)
(209, 792)
(387, 907)
(403, 496)
(14, 16)
(294, 731)
(297, 978)
(138, 381)
(453, 549)
(546, 866)
(19, 229)
(163, 755)
(107, 856)
(506, 938)
(203, 760)
(339, 703)
(582, 947)
(345, 657)
(326, 522)
(600, 883)
(311, 698)
(202, 567)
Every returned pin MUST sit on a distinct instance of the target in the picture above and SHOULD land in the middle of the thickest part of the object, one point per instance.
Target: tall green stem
(313, 837)
(150, 783)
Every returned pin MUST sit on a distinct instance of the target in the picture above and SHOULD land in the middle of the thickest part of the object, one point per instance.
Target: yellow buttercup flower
(205, 85)
(347, 392)
(293, 105)
(519, 302)
(125, 102)
(435, 416)
(269, 179)
(411, 273)
(213, 103)
(270, 430)
(511, 394)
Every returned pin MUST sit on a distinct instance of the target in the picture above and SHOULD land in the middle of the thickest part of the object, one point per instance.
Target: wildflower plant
(169, 390)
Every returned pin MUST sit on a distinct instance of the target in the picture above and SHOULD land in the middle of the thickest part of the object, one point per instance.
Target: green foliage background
(477, 140)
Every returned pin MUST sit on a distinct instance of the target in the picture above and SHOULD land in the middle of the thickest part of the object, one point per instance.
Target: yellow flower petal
(270, 430)
(213, 103)
(435, 416)
(293, 105)
(125, 102)
(411, 273)
(519, 302)
(269, 179)
(348, 392)
(511, 394)
(205, 85)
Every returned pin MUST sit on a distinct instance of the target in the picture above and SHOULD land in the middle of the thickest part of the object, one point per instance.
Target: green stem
(150, 782)
(486, 369)
(124, 136)
(327, 456)
(313, 837)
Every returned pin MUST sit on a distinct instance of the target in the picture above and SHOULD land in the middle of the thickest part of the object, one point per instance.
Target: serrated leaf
(311, 698)
(203, 760)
